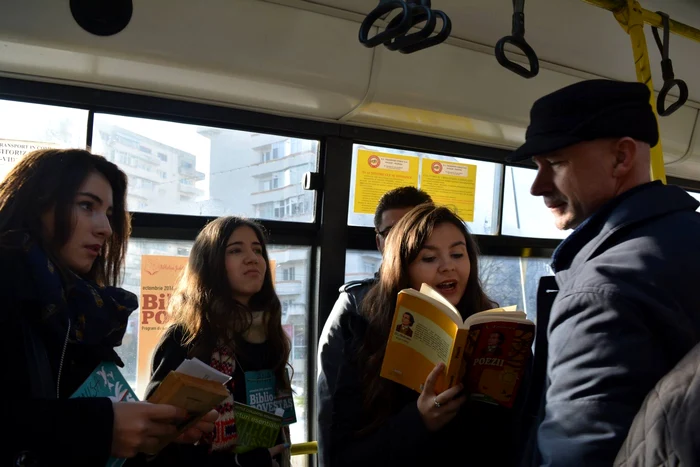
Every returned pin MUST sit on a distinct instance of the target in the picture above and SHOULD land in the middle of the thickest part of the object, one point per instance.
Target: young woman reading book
(225, 312)
(380, 423)
(63, 234)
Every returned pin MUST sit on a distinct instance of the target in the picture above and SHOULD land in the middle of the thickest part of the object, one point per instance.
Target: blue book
(263, 395)
(107, 381)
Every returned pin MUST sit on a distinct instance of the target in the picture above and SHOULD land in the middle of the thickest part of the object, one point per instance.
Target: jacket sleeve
(167, 356)
(330, 358)
(76, 432)
(603, 360)
(387, 445)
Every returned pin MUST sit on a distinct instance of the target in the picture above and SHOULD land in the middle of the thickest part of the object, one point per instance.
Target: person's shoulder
(16, 282)
(355, 291)
(358, 285)
(173, 335)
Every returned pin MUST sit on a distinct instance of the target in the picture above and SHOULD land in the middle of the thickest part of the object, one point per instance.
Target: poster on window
(450, 184)
(159, 277)
(12, 150)
(379, 172)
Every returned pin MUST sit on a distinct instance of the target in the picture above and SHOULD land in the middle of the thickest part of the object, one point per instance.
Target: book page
(509, 313)
(424, 335)
(445, 304)
(199, 369)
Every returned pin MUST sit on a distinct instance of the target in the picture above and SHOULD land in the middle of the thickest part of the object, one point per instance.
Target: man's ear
(625, 153)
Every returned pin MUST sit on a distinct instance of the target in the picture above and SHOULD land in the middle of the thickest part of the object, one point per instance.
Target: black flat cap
(586, 111)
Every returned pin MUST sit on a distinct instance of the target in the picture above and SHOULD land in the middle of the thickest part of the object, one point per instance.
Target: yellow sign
(450, 184)
(159, 276)
(378, 173)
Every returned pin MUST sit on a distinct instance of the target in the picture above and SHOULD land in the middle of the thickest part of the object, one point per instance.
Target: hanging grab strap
(517, 39)
(399, 29)
(419, 12)
(433, 40)
(411, 14)
(667, 71)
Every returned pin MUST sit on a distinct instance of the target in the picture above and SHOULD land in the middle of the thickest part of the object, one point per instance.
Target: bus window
(175, 168)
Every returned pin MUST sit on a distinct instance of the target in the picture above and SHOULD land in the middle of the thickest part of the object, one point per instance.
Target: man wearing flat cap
(624, 305)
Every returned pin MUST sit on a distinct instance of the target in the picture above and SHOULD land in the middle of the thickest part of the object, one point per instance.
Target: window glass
(470, 187)
(513, 280)
(26, 127)
(175, 168)
(361, 264)
(292, 291)
(525, 215)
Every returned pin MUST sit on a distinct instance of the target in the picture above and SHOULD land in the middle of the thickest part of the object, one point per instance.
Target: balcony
(283, 163)
(278, 194)
(191, 173)
(289, 287)
(190, 189)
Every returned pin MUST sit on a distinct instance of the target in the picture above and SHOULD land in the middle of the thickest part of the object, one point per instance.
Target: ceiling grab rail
(517, 39)
(396, 35)
(667, 71)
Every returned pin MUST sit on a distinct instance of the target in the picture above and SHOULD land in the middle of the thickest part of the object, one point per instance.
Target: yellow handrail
(631, 16)
(650, 18)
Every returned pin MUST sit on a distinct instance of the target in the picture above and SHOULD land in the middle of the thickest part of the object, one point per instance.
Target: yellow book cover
(487, 351)
(196, 395)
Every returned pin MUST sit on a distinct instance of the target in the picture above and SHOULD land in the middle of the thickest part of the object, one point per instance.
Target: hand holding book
(139, 426)
(437, 410)
(201, 428)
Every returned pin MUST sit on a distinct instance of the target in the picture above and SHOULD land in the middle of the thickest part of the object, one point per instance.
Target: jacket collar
(635, 206)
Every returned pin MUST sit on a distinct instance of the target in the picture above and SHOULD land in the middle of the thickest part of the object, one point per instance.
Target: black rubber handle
(521, 44)
(419, 13)
(661, 99)
(431, 41)
(402, 26)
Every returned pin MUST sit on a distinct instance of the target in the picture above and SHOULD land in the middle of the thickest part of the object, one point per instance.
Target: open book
(487, 352)
(193, 386)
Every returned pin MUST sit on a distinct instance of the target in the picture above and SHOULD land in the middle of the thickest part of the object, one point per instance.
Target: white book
(198, 369)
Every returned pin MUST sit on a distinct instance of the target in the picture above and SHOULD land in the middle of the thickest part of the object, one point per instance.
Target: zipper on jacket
(60, 365)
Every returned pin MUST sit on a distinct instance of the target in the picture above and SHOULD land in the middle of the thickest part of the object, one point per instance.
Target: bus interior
(264, 108)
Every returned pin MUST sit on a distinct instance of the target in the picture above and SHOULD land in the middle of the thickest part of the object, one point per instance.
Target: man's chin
(565, 222)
